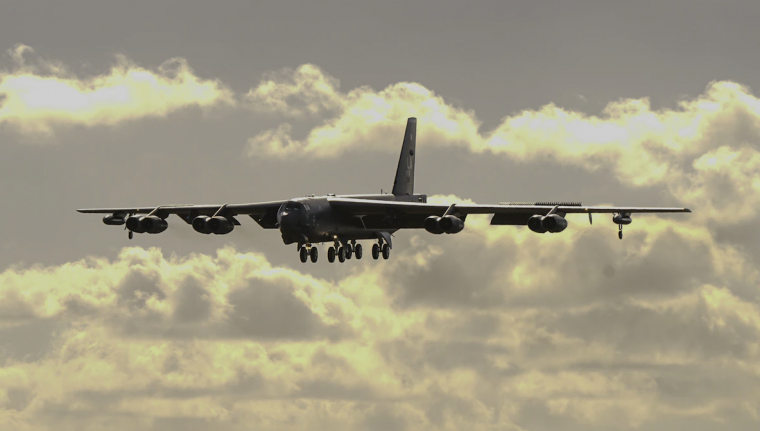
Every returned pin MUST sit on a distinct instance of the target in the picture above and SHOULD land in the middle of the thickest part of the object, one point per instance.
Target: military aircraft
(344, 220)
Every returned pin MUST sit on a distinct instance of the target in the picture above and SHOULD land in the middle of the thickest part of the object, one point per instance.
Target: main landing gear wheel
(314, 254)
(331, 254)
(358, 251)
(304, 254)
(386, 251)
(375, 251)
(341, 255)
(349, 250)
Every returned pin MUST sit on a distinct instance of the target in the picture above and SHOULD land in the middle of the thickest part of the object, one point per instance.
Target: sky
(647, 103)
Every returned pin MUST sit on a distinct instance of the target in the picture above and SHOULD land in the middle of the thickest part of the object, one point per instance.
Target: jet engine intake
(446, 224)
(219, 225)
(622, 218)
(553, 223)
(114, 219)
(451, 224)
(133, 224)
(431, 225)
(200, 226)
(152, 224)
(534, 224)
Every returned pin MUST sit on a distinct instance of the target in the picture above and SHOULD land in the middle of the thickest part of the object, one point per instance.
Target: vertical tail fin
(404, 182)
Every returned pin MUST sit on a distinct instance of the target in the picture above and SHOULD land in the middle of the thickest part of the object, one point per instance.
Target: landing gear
(341, 255)
(375, 251)
(331, 254)
(386, 251)
(349, 250)
(304, 254)
(131, 234)
(620, 231)
(358, 251)
(314, 254)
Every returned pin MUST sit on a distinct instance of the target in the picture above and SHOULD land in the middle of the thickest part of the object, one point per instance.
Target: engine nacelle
(219, 225)
(431, 225)
(114, 220)
(133, 224)
(534, 224)
(451, 224)
(200, 226)
(622, 218)
(153, 224)
(554, 223)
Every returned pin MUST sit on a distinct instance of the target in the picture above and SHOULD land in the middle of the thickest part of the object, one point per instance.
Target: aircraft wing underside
(506, 214)
(264, 213)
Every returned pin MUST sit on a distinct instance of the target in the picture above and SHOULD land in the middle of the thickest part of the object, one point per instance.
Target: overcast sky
(157, 102)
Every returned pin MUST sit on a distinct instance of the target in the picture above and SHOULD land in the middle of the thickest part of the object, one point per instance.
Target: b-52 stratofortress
(344, 220)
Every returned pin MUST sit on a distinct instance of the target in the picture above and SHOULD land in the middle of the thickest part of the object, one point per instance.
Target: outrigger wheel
(620, 231)
(131, 234)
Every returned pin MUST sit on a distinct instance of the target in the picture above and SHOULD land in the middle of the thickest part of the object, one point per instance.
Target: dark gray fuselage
(311, 220)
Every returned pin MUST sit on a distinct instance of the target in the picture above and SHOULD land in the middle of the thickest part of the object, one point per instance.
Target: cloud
(706, 146)
(38, 98)
(494, 326)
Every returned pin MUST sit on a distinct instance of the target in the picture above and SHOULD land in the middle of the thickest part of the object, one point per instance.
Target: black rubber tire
(341, 255)
(620, 234)
(131, 234)
(358, 251)
(386, 251)
(331, 254)
(304, 254)
(314, 254)
(375, 251)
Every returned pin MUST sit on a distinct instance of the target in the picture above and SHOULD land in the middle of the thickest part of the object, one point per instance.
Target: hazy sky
(157, 102)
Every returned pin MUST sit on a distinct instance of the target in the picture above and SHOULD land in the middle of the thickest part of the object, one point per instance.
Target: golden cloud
(501, 327)
(701, 151)
(35, 99)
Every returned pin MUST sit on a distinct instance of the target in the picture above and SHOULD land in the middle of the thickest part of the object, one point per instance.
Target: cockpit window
(293, 206)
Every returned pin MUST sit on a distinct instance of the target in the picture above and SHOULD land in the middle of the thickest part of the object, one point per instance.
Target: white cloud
(35, 99)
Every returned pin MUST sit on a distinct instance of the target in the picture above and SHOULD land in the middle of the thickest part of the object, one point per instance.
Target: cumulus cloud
(495, 326)
(707, 145)
(38, 97)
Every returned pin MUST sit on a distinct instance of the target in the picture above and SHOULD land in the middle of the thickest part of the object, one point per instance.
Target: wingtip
(686, 210)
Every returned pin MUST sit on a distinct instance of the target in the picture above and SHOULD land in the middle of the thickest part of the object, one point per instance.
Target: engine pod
(153, 224)
(431, 225)
(534, 224)
(554, 223)
(200, 225)
(451, 224)
(114, 220)
(219, 225)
